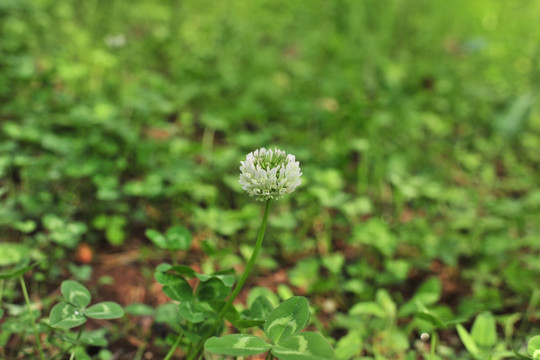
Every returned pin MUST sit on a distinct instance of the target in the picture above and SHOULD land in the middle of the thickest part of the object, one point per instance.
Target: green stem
(72, 356)
(533, 302)
(1, 292)
(36, 334)
(434, 341)
(249, 267)
(173, 258)
(173, 348)
(79, 334)
(140, 350)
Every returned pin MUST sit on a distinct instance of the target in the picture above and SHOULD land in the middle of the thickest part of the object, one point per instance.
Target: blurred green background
(413, 121)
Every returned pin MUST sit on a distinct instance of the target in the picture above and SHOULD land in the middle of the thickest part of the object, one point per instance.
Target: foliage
(416, 127)
(282, 328)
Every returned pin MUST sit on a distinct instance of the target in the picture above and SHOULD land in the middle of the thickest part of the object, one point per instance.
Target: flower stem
(36, 334)
(249, 267)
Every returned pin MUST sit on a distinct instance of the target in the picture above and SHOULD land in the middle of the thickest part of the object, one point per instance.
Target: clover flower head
(269, 174)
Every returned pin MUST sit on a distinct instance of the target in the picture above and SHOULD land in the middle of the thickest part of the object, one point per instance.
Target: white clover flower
(268, 174)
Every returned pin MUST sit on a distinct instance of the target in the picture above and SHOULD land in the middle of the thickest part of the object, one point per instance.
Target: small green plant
(197, 305)
(283, 328)
(482, 342)
(265, 175)
(175, 238)
(17, 272)
(73, 311)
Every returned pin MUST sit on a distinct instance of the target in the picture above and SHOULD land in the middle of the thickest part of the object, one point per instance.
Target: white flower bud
(268, 174)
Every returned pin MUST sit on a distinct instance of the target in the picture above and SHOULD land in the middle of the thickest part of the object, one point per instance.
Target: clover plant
(175, 238)
(283, 329)
(17, 272)
(482, 341)
(264, 175)
(74, 311)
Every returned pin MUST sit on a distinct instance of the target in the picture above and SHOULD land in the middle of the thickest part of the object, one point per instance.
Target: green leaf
(260, 308)
(81, 273)
(115, 232)
(18, 270)
(522, 356)
(105, 310)
(431, 318)
(174, 286)
(165, 278)
(192, 312)
(69, 337)
(95, 337)
(258, 291)
(376, 233)
(105, 354)
(139, 309)
(22, 322)
(178, 238)
(53, 222)
(168, 313)
(163, 267)
(213, 289)
(62, 232)
(304, 346)
(333, 262)
(244, 324)
(75, 293)
(515, 118)
(234, 317)
(25, 226)
(287, 319)
(533, 347)
(80, 354)
(11, 254)
(64, 315)
(368, 308)
(349, 346)
(236, 345)
(429, 292)
(484, 331)
(386, 302)
(467, 340)
(183, 270)
(395, 339)
(191, 336)
(227, 280)
(14, 325)
(304, 274)
(157, 238)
